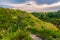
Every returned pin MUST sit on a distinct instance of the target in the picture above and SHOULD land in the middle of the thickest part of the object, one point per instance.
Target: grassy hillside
(52, 17)
(19, 25)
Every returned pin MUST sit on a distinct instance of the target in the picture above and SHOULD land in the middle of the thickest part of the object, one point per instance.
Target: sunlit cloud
(31, 5)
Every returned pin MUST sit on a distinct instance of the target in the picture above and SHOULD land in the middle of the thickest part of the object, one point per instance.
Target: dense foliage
(52, 17)
(19, 25)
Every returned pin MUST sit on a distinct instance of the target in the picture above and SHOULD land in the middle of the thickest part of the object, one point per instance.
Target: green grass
(29, 24)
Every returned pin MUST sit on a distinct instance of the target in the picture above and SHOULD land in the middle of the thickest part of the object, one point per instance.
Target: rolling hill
(19, 25)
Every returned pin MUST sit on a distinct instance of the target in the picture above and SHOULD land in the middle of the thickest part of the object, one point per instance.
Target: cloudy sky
(31, 5)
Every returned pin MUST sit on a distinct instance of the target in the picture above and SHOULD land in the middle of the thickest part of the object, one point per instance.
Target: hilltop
(19, 25)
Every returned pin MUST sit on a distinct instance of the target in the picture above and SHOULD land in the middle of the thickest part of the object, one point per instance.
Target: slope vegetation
(19, 25)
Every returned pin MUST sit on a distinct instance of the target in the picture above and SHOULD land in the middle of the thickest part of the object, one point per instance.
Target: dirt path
(35, 37)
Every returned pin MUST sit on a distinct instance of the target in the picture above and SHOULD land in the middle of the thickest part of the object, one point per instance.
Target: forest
(22, 25)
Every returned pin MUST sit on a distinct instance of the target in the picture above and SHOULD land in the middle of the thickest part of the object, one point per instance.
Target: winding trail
(35, 37)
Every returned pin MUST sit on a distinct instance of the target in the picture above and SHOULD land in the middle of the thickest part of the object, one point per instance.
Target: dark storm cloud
(37, 1)
(13, 1)
(46, 1)
(17, 1)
